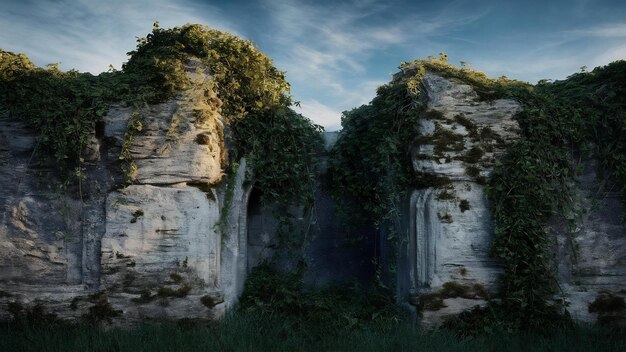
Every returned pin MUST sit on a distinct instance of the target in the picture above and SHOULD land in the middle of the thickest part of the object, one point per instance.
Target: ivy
(62, 106)
(246, 80)
(583, 115)
(280, 134)
(370, 164)
(249, 92)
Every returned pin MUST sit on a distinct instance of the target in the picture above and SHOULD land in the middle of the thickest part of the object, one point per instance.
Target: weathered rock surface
(152, 249)
(179, 240)
(592, 248)
(449, 226)
(37, 245)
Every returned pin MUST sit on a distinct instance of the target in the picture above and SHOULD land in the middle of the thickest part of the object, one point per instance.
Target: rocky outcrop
(37, 245)
(591, 250)
(444, 263)
(449, 224)
(167, 245)
(174, 237)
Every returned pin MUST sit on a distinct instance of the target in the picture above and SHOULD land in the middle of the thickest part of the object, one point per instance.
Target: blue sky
(335, 53)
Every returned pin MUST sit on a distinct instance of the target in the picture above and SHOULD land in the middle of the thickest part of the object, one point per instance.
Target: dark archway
(261, 231)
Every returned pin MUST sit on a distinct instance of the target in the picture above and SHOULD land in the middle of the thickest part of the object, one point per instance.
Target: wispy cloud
(324, 115)
(612, 30)
(90, 35)
(326, 46)
(610, 55)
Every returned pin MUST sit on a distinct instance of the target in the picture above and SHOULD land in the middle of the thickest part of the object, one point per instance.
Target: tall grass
(258, 332)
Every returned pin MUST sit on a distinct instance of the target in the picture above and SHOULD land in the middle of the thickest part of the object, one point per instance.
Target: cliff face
(169, 238)
(152, 248)
(445, 262)
(449, 225)
(591, 249)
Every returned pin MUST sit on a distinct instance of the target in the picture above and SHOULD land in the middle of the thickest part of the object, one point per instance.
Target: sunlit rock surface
(449, 223)
(173, 239)
(150, 249)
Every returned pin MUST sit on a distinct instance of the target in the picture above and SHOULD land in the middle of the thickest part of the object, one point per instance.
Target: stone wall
(151, 248)
(591, 248)
(449, 226)
(180, 238)
(444, 262)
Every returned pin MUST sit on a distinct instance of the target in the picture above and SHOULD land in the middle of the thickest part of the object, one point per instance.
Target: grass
(257, 332)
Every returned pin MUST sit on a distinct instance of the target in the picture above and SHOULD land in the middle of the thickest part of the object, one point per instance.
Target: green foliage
(281, 147)
(208, 301)
(530, 184)
(257, 332)
(246, 79)
(252, 96)
(136, 215)
(180, 292)
(64, 106)
(370, 164)
(272, 293)
(145, 296)
(101, 310)
(35, 316)
(607, 302)
(527, 188)
(464, 205)
(493, 320)
(450, 289)
(596, 100)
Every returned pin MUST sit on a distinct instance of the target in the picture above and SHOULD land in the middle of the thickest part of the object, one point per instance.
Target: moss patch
(446, 195)
(451, 289)
(607, 302)
(136, 215)
(464, 205)
(101, 310)
(473, 155)
(145, 297)
(462, 120)
(179, 292)
(445, 218)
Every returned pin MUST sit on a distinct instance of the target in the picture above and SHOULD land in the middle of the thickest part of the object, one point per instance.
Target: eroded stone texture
(40, 237)
(151, 249)
(449, 223)
(152, 229)
(162, 245)
(592, 247)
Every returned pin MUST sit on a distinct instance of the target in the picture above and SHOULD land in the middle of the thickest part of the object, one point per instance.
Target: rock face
(37, 246)
(444, 266)
(164, 246)
(591, 251)
(178, 240)
(449, 225)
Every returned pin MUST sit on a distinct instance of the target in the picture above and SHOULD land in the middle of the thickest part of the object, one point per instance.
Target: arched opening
(261, 231)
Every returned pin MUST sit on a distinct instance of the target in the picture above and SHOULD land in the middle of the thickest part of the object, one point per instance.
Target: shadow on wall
(262, 226)
(331, 255)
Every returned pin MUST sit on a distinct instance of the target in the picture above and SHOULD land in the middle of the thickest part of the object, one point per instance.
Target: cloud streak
(613, 30)
(326, 46)
(89, 35)
(335, 52)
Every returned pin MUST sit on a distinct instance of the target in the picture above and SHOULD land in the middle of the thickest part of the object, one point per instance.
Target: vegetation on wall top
(529, 185)
(64, 106)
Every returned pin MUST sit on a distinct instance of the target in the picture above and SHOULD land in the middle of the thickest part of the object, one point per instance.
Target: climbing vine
(370, 165)
(531, 184)
(251, 95)
(281, 134)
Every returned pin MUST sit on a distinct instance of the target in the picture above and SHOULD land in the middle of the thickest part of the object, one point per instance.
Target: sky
(334, 53)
